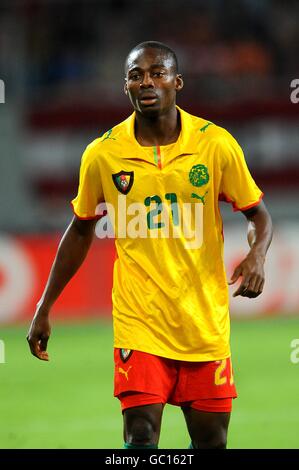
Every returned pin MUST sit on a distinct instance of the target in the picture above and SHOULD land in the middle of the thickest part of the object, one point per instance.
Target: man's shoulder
(206, 128)
(117, 134)
(111, 140)
(217, 134)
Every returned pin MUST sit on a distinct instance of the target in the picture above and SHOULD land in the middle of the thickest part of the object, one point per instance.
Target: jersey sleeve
(90, 192)
(237, 185)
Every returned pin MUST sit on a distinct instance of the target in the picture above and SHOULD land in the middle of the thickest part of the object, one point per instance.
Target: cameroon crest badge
(123, 181)
(125, 354)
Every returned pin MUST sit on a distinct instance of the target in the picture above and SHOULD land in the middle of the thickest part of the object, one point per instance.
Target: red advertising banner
(25, 264)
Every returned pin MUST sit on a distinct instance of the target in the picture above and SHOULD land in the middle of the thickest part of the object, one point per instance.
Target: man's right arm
(71, 253)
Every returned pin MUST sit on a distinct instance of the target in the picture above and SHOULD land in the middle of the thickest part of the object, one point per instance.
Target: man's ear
(179, 82)
(125, 87)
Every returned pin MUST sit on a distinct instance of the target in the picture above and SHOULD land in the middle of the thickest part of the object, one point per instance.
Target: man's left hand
(251, 269)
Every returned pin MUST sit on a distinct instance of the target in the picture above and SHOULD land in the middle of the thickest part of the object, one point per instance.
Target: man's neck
(158, 130)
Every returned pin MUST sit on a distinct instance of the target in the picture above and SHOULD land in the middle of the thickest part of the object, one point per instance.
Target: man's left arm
(251, 269)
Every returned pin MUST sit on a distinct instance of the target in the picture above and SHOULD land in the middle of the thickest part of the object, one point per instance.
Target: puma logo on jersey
(204, 128)
(202, 198)
(124, 372)
(108, 135)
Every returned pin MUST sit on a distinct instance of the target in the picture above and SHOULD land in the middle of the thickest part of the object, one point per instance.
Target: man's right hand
(38, 335)
(71, 253)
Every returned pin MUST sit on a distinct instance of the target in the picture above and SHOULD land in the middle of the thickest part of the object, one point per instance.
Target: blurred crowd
(227, 49)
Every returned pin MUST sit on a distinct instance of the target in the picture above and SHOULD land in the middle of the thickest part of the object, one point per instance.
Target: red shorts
(142, 379)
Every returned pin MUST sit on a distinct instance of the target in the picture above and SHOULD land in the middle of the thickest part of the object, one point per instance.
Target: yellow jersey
(170, 292)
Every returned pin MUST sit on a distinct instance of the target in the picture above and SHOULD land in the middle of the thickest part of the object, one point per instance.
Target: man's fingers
(258, 288)
(241, 290)
(37, 349)
(33, 346)
(43, 355)
(236, 274)
(253, 288)
(256, 284)
(243, 286)
(43, 343)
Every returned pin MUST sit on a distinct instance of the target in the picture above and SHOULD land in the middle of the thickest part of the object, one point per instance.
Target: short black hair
(155, 45)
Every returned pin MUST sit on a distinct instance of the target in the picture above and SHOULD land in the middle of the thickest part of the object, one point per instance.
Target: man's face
(151, 81)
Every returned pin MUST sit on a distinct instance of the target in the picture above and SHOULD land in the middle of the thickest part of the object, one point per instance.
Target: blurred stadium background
(62, 66)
